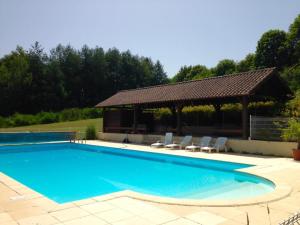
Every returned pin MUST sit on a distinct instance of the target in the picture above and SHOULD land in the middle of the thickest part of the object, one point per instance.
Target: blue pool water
(66, 172)
(34, 137)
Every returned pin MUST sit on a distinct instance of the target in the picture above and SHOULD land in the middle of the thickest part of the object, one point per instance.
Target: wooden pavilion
(128, 111)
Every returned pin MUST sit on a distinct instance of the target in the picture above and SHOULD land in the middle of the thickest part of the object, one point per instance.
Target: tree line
(32, 81)
(275, 48)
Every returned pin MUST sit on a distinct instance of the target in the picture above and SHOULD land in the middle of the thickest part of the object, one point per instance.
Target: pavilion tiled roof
(234, 85)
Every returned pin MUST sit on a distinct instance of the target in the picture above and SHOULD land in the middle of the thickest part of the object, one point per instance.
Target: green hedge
(205, 115)
(193, 116)
(73, 114)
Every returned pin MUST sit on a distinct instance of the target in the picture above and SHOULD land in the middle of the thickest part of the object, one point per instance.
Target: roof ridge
(197, 80)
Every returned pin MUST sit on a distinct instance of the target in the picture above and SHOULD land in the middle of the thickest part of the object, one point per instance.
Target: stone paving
(23, 206)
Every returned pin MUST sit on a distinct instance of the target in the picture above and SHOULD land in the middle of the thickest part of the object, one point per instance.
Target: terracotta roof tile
(239, 84)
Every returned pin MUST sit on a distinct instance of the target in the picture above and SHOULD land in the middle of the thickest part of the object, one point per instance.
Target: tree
(131, 71)
(70, 78)
(159, 75)
(146, 75)
(272, 49)
(93, 66)
(70, 64)
(246, 64)
(294, 40)
(15, 82)
(183, 74)
(191, 73)
(199, 72)
(292, 76)
(39, 85)
(225, 66)
(54, 93)
(113, 63)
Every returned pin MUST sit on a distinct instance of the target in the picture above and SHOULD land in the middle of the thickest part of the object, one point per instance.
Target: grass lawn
(79, 125)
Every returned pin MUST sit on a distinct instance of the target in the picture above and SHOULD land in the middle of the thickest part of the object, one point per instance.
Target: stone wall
(274, 148)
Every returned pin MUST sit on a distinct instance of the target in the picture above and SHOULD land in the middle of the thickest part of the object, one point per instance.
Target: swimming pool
(7, 138)
(66, 172)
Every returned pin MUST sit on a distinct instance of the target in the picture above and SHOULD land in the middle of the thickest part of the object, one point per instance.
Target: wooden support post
(245, 116)
(218, 118)
(103, 120)
(135, 118)
(178, 113)
(174, 116)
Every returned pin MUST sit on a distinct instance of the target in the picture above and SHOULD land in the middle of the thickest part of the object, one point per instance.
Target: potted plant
(292, 133)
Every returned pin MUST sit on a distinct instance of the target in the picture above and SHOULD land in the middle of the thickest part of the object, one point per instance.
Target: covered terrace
(131, 111)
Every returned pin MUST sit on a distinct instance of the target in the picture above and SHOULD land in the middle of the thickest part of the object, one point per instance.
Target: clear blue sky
(185, 32)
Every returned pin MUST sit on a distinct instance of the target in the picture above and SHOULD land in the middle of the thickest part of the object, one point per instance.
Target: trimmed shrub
(70, 114)
(47, 117)
(79, 114)
(292, 132)
(205, 115)
(23, 119)
(293, 106)
(195, 115)
(50, 117)
(91, 113)
(3, 122)
(269, 108)
(90, 132)
(164, 115)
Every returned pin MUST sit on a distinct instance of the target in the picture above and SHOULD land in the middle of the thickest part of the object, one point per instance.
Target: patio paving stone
(181, 221)
(84, 202)
(69, 214)
(134, 221)
(10, 223)
(5, 217)
(88, 220)
(26, 212)
(159, 216)
(40, 220)
(114, 215)
(206, 218)
(97, 207)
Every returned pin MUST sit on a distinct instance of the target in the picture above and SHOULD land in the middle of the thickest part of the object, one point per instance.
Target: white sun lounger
(219, 145)
(185, 141)
(204, 142)
(168, 140)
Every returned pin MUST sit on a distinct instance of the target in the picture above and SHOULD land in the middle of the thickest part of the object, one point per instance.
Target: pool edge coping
(281, 191)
